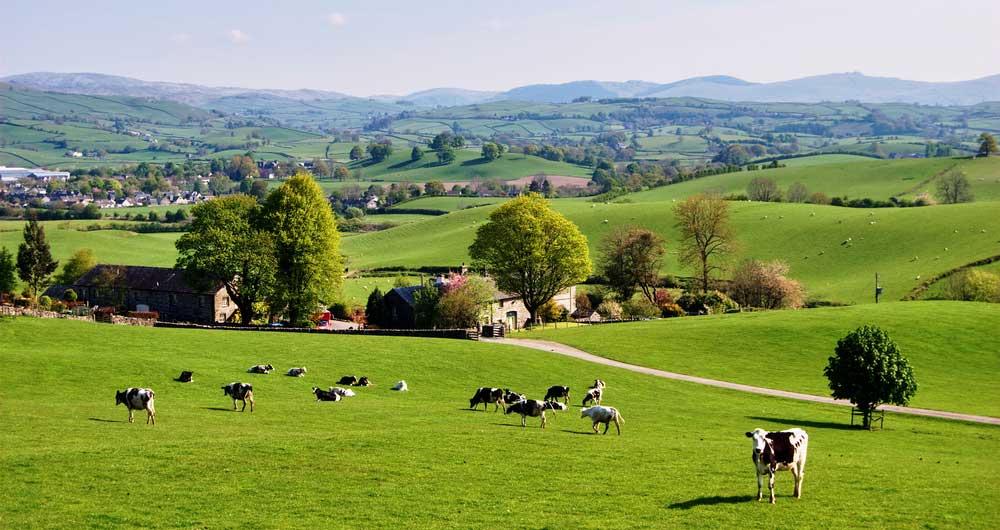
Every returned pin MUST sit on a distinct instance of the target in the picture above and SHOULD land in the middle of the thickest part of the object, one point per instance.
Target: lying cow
(239, 392)
(486, 396)
(296, 372)
(348, 380)
(363, 381)
(604, 415)
(594, 394)
(400, 386)
(326, 395)
(533, 408)
(342, 392)
(185, 377)
(137, 399)
(556, 392)
(260, 369)
(512, 397)
(778, 451)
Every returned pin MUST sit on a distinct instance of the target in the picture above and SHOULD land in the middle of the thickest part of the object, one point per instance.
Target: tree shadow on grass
(102, 420)
(474, 162)
(711, 501)
(808, 423)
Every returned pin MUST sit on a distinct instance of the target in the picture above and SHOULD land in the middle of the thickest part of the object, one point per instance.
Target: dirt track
(563, 349)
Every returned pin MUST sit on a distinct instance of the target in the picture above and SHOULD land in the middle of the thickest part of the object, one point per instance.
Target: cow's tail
(619, 416)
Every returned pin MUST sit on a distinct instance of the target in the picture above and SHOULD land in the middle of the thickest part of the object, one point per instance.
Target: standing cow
(533, 408)
(605, 415)
(486, 396)
(556, 392)
(239, 392)
(778, 451)
(137, 399)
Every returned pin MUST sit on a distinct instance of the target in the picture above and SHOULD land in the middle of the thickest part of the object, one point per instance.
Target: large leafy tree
(987, 144)
(953, 187)
(869, 370)
(631, 257)
(76, 266)
(531, 250)
(229, 244)
(8, 278)
(307, 247)
(706, 236)
(34, 258)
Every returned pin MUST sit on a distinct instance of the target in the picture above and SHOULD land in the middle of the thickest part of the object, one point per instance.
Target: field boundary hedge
(426, 333)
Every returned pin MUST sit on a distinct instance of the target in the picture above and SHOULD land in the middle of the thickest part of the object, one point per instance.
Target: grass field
(468, 165)
(950, 345)
(422, 459)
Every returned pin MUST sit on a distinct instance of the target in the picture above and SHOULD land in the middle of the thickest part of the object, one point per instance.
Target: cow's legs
(131, 417)
(607, 425)
(595, 428)
(799, 472)
(234, 403)
(770, 485)
(543, 419)
(524, 420)
(619, 427)
(760, 486)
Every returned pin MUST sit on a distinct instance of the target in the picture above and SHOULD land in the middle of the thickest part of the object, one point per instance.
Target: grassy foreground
(954, 347)
(422, 459)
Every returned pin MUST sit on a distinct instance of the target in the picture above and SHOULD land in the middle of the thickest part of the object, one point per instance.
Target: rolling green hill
(468, 166)
(422, 459)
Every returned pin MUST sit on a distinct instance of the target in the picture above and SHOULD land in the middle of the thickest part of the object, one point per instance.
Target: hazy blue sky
(395, 47)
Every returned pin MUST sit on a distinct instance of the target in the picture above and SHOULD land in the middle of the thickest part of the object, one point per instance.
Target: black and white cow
(605, 415)
(533, 408)
(556, 392)
(326, 395)
(137, 399)
(342, 392)
(363, 381)
(296, 372)
(185, 377)
(260, 369)
(594, 394)
(509, 396)
(778, 451)
(348, 380)
(487, 395)
(239, 392)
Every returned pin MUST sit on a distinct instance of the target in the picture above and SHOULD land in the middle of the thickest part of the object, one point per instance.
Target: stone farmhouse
(159, 289)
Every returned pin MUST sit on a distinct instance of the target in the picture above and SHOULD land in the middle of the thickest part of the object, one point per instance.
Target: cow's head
(119, 397)
(583, 412)
(268, 367)
(759, 437)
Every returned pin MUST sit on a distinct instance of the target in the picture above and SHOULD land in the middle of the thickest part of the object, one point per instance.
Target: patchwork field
(423, 459)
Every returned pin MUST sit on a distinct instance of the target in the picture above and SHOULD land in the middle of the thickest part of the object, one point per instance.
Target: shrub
(582, 301)
(70, 295)
(764, 285)
(707, 303)
(551, 312)
(610, 310)
(58, 306)
(672, 310)
(973, 286)
(153, 315)
(640, 308)
(339, 310)
(45, 302)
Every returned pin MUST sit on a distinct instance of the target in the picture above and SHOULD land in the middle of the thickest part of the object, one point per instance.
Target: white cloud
(180, 38)
(237, 36)
(336, 19)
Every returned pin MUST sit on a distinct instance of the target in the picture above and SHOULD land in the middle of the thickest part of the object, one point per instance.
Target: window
(225, 301)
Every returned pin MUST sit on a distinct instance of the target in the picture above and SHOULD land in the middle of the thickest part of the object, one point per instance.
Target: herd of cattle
(772, 451)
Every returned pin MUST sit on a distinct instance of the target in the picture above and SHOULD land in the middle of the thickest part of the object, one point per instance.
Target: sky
(398, 47)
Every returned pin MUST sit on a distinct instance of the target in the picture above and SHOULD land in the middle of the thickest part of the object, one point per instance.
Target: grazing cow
(185, 377)
(342, 392)
(604, 415)
(137, 399)
(239, 392)
(531, 407)
(326, 395)
(486, 396)
(556, 392)
(512, 397)
(348, 380)
(598, 383)
(594, 394)
(778, 451)
(296, 372)
(400, 386)
(363, 382)
(260, 369)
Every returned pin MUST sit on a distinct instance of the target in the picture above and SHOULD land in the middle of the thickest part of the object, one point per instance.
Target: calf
(296, 372)
(137, 399)
(400, 386)
(594, 394)
(512, 397)
(348, 380)
(185, 377)
(778, 451)
(487, 395)
(556, 392)
(604, 415)
(326, 395)
(260, 369)
(342, 392)
(239, 392)
(529, 407)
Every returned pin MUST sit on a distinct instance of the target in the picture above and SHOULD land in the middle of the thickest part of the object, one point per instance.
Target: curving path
(563, 349)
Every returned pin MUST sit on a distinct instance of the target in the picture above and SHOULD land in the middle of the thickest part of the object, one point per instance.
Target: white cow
(297, 372)
(778, 451)
(604, 415)
(400, 386)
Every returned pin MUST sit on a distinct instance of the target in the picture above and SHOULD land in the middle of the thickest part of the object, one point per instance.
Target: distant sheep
(296, 372)
(400, 386)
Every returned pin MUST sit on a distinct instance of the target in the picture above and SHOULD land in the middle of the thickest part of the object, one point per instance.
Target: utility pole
(878, 288)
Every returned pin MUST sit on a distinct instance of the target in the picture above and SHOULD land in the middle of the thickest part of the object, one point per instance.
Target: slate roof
(142, 278)
(406, 293)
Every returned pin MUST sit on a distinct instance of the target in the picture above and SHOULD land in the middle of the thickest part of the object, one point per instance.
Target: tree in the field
(34, 258)
(765, 285)
(229, 244)
(356, 153)
(531, 251)
(797, 192)
(425, 305)
(8, 275)
(868, 369)
(987, 145)
(630, 257)
(258, 189)
(379, 151)
(492, 151)
(307, 247)
(434, 187)
(416, 153)
(953, 187)
(76, 266)
(375, 309)
(341, 173)
(706, 236)
(446, 155)
(763, 189)
(441, 140)
(320, 168)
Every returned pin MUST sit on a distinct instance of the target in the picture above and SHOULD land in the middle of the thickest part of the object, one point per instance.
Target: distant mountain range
(830, 87)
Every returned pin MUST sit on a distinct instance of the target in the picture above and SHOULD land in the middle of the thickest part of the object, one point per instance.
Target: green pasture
(449, 203)
(422, 459)
(951, 345)
(356, 289)
(819, 160)
(468, 166)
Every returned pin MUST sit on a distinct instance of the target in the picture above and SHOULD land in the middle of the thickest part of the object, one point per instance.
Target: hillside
(468, 165)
